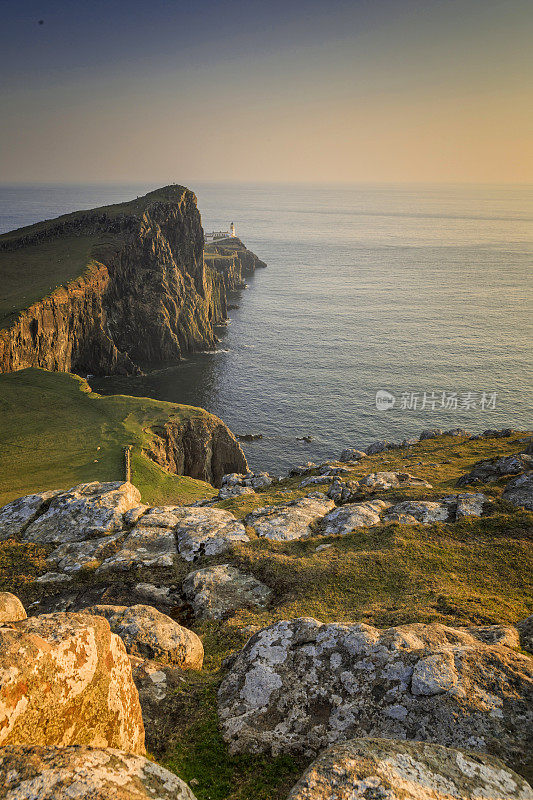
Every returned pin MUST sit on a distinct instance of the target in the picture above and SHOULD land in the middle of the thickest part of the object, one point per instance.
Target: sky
(262, 90)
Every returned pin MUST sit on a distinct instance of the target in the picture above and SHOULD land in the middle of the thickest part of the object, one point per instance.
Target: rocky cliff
(233, 261)
(143, 293)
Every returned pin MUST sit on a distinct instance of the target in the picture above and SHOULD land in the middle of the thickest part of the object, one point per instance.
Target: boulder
(291, 521)
(65, 773)
(519, 491)
(385, 769)
(234, 491)
(300, 685)
(344, 491)
(73, 556)
(426, 511)
(157, 684)
(148, 633)
(315, 480)
(431, 433)
(86, 511)
(16, 516)
(392, 480)
(492, 469)
(143, 548)
(207, 532)
(66, 679)
(351, 454)
(215, 592)
(344, 520)
(377, 447)
(159, 517)
(11, 609)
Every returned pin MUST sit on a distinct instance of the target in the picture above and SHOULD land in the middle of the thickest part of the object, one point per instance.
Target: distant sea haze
(419, 292)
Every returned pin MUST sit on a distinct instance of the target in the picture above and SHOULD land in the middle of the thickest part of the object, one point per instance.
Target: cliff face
(145, 296)
(202, 447)
(233, 261)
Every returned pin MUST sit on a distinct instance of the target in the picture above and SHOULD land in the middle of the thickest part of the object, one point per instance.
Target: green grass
(35, 271)
(56, 433)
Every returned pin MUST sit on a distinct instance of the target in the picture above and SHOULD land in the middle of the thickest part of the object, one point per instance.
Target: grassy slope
(56, 433)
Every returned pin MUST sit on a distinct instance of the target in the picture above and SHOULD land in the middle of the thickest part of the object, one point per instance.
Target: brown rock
(66, 679)
(11, 609)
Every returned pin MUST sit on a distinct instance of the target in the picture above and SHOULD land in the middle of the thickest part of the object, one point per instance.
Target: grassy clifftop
(56, 433)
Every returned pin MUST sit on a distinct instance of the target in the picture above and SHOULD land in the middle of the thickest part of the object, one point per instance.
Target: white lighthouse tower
(232, 230)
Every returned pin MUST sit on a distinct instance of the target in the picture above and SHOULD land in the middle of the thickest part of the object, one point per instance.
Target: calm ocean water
(408, 289)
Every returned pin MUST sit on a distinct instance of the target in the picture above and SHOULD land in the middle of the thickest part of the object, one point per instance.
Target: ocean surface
(423, 292)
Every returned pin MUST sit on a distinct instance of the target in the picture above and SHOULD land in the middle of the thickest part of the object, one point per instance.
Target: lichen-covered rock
(300, 686)
(491, 469)
(392, 480)
(66, 679)
(423, 510)
(385, 769)
(148, 633)
(215, 592)
(291, 521)
(159, 517)
(157, 684)
(65, 773)
(377, 447)
(88, 510)
(207, 532)
(234, 491)
(344, 520)
(519, 491)
(16, 516)
(11, 609)
(143, 547)
(431, 433)
(73, 556)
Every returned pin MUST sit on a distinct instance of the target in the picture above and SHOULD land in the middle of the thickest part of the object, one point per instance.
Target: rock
(207, 532)
(344, 520)
(351, 454)
(215, 592)
(525, 630)
(519, 491)
(431, 433)
(73, 556)
(506, 635)
(89, 510)
(134, 514)
(423, 510)
(344, 491)
(148, 633)
(65, 773)
(66, 679)
(315, 480)
(16, 516)
(377, 447)
(161, 595)
(492, 469)
(291, 521)
(160, 517)
(385, 769)
(400, 518)
(143, 547)
(11, 609)
(470, 505)
(390, 480)
(233, 479)
(249, 437)
(234, 491)
(300, 686)
(53, 577)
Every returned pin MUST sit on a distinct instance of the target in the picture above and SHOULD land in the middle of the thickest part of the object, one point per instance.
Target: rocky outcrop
(216, 592)
(64, 773)
(200, 446)
(231, 260)
(294, 520)
(300, 686)
(145, 296)
(66, 679)
(385, 769)
(148, 633)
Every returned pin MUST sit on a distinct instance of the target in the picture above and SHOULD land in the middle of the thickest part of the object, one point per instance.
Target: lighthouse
(232, 230)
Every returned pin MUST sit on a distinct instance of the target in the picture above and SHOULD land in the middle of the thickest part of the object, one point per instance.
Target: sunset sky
(366, 90)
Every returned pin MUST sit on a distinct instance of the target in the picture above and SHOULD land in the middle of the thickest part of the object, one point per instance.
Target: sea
(384, 310)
